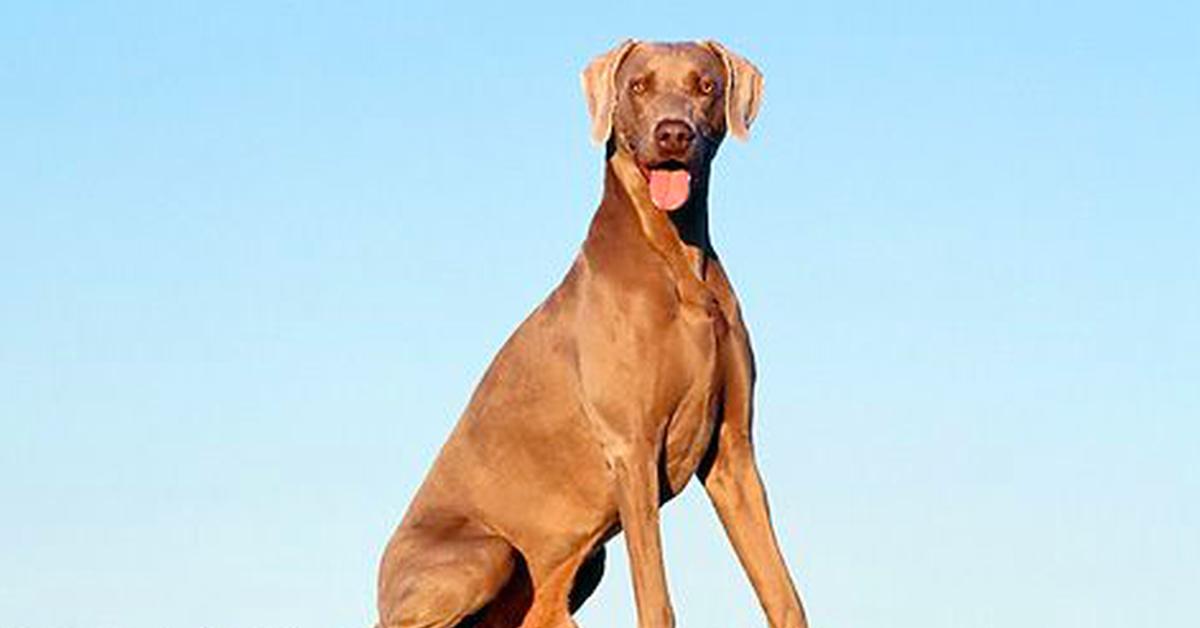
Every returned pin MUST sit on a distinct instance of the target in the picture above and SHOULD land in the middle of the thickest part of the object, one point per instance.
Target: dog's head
(669, 106)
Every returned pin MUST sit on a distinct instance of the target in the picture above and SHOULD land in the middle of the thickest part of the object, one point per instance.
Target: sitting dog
(635, 374)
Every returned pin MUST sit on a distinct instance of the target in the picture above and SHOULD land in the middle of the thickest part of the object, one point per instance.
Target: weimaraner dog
(634, 375)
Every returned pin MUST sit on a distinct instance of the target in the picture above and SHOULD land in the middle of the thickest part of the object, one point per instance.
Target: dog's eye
(707, 85)
(638, 86)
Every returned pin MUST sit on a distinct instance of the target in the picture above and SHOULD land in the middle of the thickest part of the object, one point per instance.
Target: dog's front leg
(637, 490)
(631, 451)
(621, 371)
(734, 486)
(736, 490)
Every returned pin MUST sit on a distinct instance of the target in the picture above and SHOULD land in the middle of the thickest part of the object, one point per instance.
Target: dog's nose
(673, 137)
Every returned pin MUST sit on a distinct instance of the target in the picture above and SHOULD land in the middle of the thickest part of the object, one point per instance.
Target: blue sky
(255, 258)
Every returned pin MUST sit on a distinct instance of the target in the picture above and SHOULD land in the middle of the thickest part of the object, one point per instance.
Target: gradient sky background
(254, 260)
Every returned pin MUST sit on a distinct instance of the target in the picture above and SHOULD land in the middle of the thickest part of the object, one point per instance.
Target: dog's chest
(690, 428)
(688, 438)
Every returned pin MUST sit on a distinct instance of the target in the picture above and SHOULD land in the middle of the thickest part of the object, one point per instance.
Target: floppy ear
(743, 91)
(600, 89)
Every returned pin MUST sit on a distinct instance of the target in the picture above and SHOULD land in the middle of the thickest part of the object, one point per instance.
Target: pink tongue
(669, 188)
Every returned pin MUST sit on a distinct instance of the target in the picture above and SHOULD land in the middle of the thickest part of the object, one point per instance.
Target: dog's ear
(743, 90)
(600, 89)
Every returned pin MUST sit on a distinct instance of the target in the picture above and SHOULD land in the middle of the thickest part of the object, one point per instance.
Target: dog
(634, 375)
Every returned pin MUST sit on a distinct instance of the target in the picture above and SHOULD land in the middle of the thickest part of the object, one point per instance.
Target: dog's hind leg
(434, 576)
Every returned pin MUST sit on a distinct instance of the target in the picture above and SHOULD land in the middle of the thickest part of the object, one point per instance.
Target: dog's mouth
(670, 184)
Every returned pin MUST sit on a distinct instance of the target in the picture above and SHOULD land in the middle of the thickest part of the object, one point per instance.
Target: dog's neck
(691, 220)
(680, 236)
